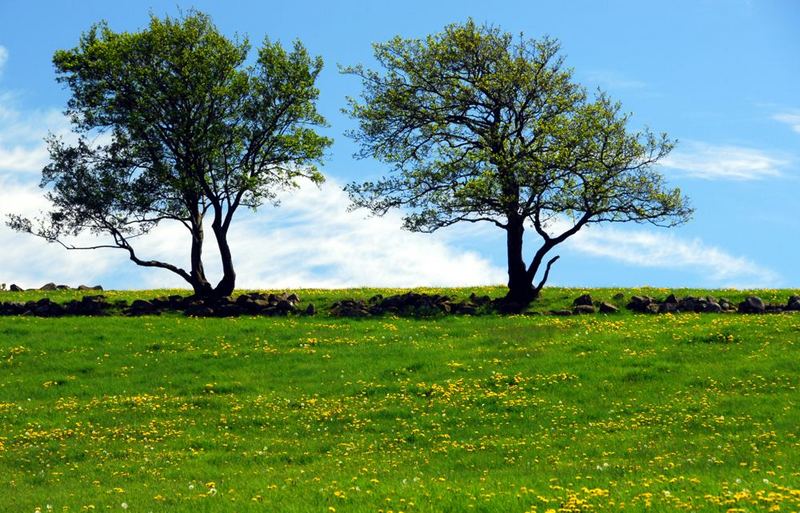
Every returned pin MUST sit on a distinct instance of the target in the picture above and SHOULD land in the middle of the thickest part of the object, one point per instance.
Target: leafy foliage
(481, 126)
(172, 124)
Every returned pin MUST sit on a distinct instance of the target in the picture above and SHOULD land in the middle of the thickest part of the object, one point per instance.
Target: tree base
(516, 301)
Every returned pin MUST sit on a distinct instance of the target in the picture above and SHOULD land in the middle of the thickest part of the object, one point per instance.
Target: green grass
(315, 414)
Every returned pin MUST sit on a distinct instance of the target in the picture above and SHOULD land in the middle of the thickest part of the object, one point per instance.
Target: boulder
(12, 308)
(88, 305)
(141, 304)
(561, 313)
(464, 308)
(15, 288)
(228, 309)
(310, 309)
(583, 300)
(285, 306)
(619, 296)
(640, 304)
(479, 300)
(773, 308)
(350, 308)
(671, 299)
(752, 305)
(141, 307)
(668, 307)
(793, 304)
(608, 308)
(49, 287)
(727, 305)
(199, 310)
(47, 308)
(691, 304)
(584, 309)
(712, 307)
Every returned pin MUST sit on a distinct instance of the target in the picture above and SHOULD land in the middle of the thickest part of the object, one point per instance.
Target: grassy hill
(320, 414)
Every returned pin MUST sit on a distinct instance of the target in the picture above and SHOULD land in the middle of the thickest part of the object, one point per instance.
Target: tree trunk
(538, 258)
(199, 282)
(226, 285)
(520, 283)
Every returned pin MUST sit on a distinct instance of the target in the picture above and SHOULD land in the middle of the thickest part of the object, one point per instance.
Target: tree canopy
(174, 124)
(480, 126)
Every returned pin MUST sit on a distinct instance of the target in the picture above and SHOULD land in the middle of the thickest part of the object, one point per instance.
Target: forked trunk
(199, 283)
(226, 285)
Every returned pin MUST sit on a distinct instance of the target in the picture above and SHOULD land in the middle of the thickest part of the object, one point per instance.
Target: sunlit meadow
(319, 414)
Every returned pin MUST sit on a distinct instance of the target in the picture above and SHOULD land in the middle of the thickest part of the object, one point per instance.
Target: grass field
(318, 414)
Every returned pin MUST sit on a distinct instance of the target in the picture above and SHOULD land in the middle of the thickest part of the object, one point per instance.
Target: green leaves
(480, 125)
(190, 128)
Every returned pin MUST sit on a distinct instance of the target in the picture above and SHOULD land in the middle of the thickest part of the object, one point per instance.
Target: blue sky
(720, 76)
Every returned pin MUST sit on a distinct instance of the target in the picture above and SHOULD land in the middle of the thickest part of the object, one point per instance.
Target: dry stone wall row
(408, 304)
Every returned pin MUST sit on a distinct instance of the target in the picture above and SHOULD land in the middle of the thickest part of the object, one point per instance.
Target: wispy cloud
(22, 134)
(791, 118)
(311, 240)
(614, 80)
(31, 262)
(702, 261)
(724, 162)
(3, 58)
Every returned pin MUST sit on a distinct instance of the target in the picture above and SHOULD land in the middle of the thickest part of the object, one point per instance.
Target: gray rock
(584, 300)
(584, 309)
(691, 304)
(199, 311)
(668, 307)
(640, 304)
(752, 305)
(608, 308)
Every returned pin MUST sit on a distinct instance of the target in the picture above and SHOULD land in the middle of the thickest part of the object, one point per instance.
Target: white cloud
(312, 241)
(22, 134)
(309, 241)
(316, 242)
(710, 162)
(791, 118)
(31, 262)
(3, 58)
(645, 248)
(614, 80)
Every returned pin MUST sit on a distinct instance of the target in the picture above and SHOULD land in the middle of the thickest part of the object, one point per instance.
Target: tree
(480, 126)
(187, 131)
